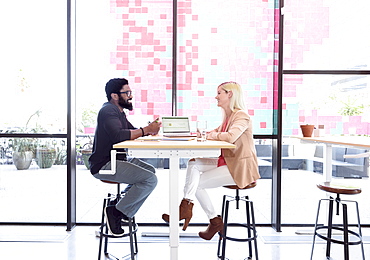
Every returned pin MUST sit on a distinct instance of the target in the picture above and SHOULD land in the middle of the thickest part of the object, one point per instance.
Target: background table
(174, 150)
(351, 141)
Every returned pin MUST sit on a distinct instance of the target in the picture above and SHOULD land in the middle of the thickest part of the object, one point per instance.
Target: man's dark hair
(114, 86)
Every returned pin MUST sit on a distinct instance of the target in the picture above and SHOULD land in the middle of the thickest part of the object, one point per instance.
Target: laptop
(176, 126)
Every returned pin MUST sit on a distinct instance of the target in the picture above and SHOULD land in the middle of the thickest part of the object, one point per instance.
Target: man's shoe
(114, 217)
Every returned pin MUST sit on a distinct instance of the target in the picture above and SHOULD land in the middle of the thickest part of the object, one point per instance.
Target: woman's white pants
(202, 174)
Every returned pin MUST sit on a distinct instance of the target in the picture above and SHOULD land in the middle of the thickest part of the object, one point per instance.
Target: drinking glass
(201, 130)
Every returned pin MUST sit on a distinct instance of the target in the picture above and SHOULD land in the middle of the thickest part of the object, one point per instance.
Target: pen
(153, 121)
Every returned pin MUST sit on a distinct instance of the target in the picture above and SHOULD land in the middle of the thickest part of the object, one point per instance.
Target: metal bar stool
(338, 189)
(131, 224)
(250, 225)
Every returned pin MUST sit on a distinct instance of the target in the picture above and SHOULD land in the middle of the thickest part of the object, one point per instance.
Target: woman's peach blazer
(241, 161)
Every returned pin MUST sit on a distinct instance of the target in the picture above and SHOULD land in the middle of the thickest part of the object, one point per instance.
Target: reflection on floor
(45, 243)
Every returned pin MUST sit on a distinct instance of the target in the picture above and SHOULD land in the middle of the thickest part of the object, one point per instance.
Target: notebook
(176, 126)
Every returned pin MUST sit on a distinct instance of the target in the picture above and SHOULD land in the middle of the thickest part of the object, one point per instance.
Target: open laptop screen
(175, 124)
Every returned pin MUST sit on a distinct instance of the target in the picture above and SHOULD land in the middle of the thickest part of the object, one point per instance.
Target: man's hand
(153, 127)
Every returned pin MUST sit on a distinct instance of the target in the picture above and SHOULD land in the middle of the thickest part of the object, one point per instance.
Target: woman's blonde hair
(237, 99)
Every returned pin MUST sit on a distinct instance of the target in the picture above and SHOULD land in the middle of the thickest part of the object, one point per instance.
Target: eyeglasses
(128, 93)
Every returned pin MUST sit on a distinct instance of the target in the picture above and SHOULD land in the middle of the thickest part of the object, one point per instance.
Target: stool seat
(236, 187)
(338, 188)
(110, 182)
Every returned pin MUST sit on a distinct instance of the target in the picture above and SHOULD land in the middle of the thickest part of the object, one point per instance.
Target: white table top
(357, 141)
(192, 144)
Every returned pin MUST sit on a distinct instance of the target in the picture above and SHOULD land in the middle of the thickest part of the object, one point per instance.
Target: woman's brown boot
(216, 225)
(186, 212)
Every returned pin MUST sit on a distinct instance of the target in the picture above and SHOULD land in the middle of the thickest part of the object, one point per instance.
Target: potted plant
(45, 155)
(307, 130)
(24, 148)
(89, 116)
(86, 152)
(23, 152)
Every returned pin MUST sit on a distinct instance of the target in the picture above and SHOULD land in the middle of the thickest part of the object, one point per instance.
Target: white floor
(45, 243)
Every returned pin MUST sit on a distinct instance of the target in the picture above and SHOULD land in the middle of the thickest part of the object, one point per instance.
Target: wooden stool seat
(235, 187)
(338, 188)
(110, 182)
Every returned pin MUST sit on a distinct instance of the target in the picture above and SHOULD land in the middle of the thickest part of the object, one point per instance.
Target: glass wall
(226, 41)
(134, 39)
(331, 36)
(215, 43)
(33, 101)
(33, 66)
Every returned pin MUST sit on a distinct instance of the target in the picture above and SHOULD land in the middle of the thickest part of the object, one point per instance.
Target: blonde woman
(233, 167)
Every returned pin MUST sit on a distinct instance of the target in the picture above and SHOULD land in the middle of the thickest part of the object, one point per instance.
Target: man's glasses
(128, 93)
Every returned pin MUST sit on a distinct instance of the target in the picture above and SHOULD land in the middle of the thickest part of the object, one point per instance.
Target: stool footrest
(107, 234)
(357, 242)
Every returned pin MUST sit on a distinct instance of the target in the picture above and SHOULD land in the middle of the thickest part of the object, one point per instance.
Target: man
(113, 127)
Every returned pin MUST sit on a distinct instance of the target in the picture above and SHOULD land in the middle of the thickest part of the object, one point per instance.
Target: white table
(329, 141)
(174, 150)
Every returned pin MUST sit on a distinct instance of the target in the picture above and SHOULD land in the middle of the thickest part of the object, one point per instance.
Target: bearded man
(113, 127)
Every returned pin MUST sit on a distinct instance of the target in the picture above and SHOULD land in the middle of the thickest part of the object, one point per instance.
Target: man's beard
(125, 104)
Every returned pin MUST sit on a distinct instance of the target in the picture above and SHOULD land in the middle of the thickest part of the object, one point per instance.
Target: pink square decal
(163, 16)
(200, 93)
(182, 49)
(131, 73)
(122, 67)
(144, 95)
(162, 67)
(213, 61)
(195, 36)
(150, 67)
(195, 17)
(157, 61)
(262, 124)
(213, 30)
(201, 80)
(251, 112)
(151, 22)
(137, 79)
(159, 48)
(263, 99)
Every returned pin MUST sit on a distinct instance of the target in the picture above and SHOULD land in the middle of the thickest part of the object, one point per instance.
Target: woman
(234, 166)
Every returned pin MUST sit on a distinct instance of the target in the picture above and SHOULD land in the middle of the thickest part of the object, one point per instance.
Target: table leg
(327, 163)
(174, 205)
